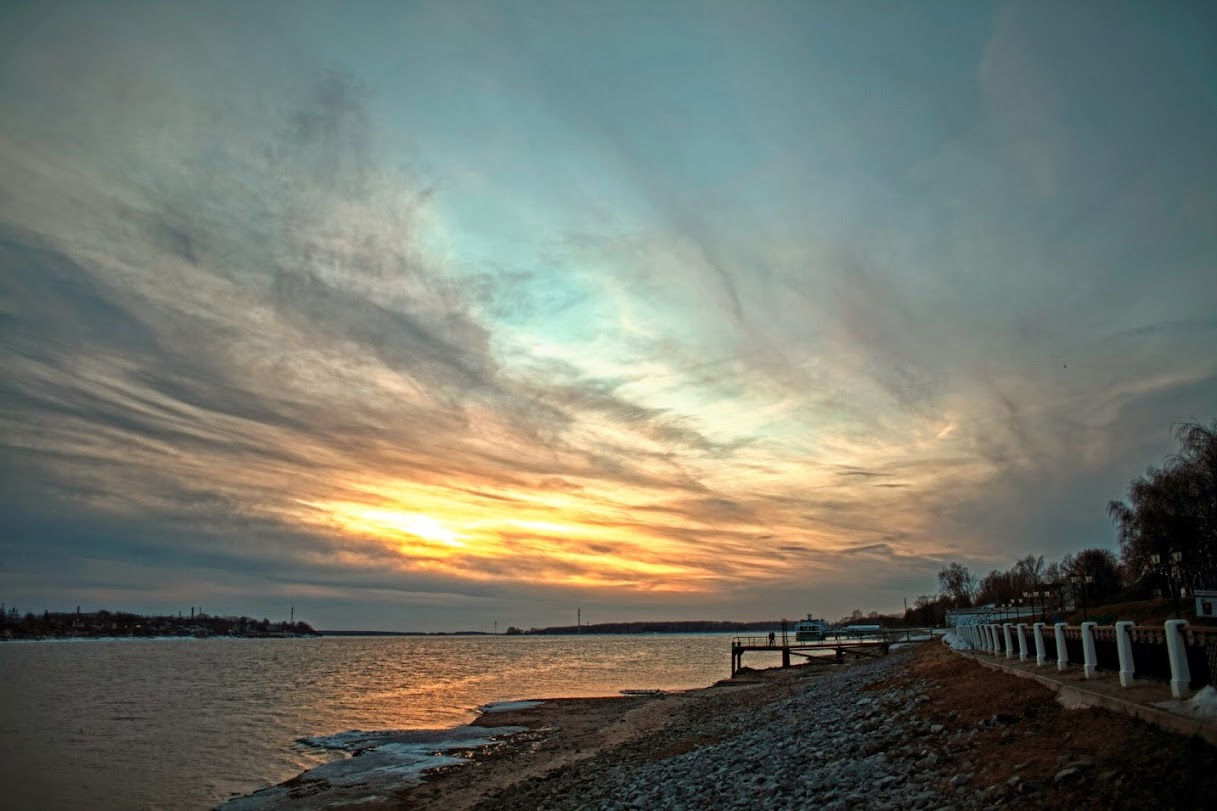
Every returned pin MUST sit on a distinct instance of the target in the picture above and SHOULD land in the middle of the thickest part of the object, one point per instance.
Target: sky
(437, 315)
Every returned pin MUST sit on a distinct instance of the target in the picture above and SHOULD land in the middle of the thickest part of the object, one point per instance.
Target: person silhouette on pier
(771, 638)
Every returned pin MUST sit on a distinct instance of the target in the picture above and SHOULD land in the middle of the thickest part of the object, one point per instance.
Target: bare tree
(1170, 516)
(1028, 572)
(1093, 575)
(957, 584)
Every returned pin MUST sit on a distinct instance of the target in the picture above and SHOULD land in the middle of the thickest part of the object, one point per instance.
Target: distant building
(983, 614)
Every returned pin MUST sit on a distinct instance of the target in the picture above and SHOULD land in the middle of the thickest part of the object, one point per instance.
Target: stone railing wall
(1174, 652)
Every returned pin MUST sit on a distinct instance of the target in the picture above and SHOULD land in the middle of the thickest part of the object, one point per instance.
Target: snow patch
(1202, 706)
(956, 642)
(1070, 704)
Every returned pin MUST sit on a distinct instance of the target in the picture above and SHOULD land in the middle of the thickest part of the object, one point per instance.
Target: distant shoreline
(406, 633)
(149, 638)
(172, 638)
(106, 624)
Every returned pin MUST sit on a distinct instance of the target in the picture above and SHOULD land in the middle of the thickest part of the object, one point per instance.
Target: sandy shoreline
(922, 728)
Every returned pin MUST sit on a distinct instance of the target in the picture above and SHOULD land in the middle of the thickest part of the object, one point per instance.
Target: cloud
(294, 317)
(257, 338)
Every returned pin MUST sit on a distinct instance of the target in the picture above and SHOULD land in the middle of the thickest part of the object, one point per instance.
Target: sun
(417, 524)
(385, 523)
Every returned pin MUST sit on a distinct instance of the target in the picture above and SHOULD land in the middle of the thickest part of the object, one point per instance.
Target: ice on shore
(508, 706)
(381, 762)
(912, 639)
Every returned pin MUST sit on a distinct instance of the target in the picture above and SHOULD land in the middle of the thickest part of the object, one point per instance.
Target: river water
(186, 724)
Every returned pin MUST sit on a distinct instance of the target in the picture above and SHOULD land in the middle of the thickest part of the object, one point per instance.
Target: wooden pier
(831, 650)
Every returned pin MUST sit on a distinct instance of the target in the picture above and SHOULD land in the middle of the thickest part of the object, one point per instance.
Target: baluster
(1062, 652)
(1176, 649)
(1090, 660)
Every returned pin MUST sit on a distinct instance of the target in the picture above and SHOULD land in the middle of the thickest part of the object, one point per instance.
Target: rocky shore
(922, 728)
(830, 741)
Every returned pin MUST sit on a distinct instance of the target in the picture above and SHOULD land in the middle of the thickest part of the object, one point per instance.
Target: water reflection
(187, 723)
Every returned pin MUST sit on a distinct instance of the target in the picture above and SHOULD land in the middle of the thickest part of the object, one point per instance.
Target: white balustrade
(1090, 661)
(1181, 674)
(1124, 648)
(989, 637)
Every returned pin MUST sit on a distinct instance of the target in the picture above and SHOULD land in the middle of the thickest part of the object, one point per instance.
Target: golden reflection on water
(185, 723)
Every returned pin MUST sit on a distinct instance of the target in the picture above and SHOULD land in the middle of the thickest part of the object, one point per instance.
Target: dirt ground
(1024, 732)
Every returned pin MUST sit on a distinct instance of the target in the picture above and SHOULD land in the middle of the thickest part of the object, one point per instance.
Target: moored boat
(810, 629)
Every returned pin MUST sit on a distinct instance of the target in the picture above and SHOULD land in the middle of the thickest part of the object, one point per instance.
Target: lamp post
(1177, 571)
(1172, 575)
(1081, 581)
(1034, 595)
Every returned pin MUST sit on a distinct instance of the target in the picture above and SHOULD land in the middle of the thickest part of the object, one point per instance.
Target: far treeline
(1167, 531)
(67, 625)
(663, 627)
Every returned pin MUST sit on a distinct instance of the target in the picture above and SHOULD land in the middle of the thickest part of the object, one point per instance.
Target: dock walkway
(831, 650)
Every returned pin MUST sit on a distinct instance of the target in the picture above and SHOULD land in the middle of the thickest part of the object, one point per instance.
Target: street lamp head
(1176, 557)
(1155, 559)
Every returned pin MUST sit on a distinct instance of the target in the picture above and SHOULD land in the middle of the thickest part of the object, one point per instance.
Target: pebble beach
(826, 740)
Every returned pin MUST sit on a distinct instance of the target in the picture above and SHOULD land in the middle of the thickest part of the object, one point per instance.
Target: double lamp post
(1172, 574)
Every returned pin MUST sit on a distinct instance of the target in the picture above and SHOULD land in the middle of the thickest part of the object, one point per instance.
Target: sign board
(1206, 604)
